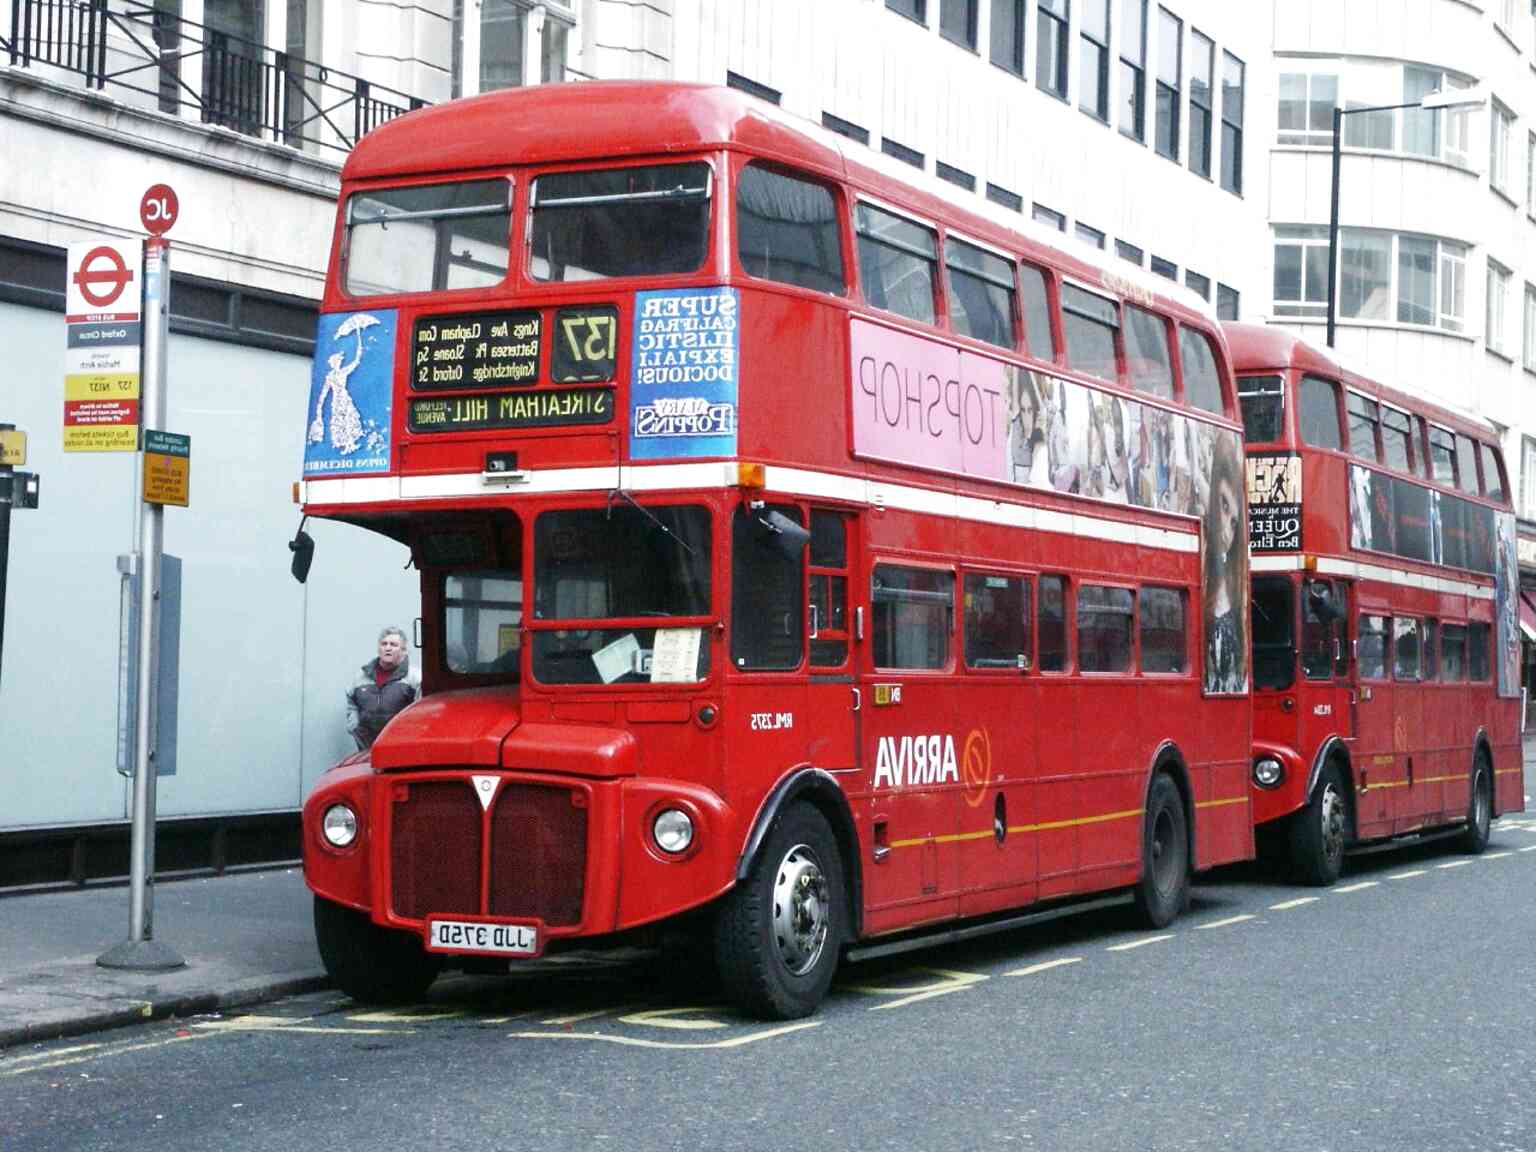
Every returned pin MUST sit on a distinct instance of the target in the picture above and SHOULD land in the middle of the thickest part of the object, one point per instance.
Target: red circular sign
(159, 209)
(115, 275)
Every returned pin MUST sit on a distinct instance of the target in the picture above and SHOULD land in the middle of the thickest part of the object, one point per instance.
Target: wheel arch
(1482, 746)
(818, 787)
(1170, 760)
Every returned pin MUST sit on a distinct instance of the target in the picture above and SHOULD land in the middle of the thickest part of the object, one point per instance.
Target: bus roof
(554, 123)
(1257, 348)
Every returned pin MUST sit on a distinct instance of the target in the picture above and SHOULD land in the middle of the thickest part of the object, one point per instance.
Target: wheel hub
(800, 910)
(1333, 822)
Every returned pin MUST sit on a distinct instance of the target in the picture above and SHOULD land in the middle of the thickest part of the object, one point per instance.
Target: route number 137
(586, 344)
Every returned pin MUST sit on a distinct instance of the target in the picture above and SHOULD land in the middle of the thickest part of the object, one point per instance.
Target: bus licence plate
(473, 936)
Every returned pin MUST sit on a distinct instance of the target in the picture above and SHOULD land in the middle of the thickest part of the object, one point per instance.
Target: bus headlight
(339, 826)
(1267, 771)
(673, 830)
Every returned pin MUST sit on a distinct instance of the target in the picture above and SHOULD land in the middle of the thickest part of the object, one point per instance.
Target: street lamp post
(1456, 98)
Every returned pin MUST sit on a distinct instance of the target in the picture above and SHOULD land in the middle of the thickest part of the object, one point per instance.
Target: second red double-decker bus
(1385, 598)
(801, 555)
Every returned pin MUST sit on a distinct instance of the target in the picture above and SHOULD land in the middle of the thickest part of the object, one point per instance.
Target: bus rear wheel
(779, 932)
(1319, 831)
(372, 965)
(1474, 838)
(1163, 890)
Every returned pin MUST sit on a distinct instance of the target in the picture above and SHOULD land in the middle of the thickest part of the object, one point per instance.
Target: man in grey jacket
(384, 686)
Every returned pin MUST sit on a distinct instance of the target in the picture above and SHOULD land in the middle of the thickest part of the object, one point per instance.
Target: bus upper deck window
(1202, 382)
(646, 221)
(1318, 413)
(1493, 480)
(1037, 313)
(1263, 401)
(980, 293)
(1364, 422)
(1466, 464)
(896, 263)
(427, 238)
(787, 230)
(1442, 456)
(1089, 323)
(1397, 439)
(1146, 352)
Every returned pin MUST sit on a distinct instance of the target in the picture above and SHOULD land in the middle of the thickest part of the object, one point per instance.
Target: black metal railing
(246, 86)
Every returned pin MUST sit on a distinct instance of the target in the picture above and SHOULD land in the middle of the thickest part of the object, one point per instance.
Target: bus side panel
(779, 329)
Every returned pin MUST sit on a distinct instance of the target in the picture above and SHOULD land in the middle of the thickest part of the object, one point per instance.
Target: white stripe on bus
(1331, 566)
(795, 481)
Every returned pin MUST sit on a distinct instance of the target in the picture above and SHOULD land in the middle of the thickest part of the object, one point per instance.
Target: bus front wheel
(779, 932)
(1320, 830)
(372, 965)
(1474, 838)
(1164, 887)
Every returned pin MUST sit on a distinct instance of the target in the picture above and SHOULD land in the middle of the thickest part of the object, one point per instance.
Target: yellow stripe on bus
(1048, 826)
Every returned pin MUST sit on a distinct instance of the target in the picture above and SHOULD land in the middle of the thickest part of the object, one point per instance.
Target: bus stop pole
(141, 951)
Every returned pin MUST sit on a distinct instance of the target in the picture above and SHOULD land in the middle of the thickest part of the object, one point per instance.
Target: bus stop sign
(159, 209)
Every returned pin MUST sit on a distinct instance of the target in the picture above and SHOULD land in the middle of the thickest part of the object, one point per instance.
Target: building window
(901, 152)
(1093, 66)
(911, 9)
(1501, 124)
(957, 176)
(1528, 353)
(1228, 303)
(1008, 35)
(1306, 108)
(1415, 280)
(1167, 269)
(502, 25)
(1498, 305)
(1133, 68)
(1051, 46)
(1202, 58)
(1530, 170)
(1453, 286)
(1301, 271)
(1049, 217)
(1089, 235)
(1365, 274)
(1130, 252)
(752, 88)
(1198, 284)
(957, 22)
(845, 128)
(1170, 72)
(1528, 475)
(1000, 195)
(1443, 134)
(1233, 72)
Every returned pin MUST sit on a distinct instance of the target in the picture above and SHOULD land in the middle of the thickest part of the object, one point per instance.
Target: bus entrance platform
(247, 937)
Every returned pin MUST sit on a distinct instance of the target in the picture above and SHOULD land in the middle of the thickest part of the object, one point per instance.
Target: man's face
(391, 651)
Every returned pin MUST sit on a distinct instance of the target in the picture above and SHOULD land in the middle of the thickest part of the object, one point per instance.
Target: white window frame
(1497, 306)
(1451, 271)
(1528, 353)
(1528, 476)
(1501, 124)
(1302, 306)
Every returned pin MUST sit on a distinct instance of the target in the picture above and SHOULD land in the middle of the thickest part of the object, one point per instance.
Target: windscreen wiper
(649, 515)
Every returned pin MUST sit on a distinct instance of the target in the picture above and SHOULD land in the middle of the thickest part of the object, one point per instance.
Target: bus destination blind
(481, 350)
(542, 408)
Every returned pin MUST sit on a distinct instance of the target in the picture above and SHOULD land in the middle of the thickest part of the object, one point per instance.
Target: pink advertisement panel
(917, 401)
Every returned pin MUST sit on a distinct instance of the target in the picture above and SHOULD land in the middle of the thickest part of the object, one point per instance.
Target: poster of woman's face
(1225, 569)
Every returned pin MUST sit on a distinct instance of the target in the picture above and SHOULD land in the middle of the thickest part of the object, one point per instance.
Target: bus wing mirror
(784, 534)
(303, 548)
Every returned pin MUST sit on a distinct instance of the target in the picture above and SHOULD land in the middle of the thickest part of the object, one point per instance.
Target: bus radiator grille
(538, 854)
(434, 850)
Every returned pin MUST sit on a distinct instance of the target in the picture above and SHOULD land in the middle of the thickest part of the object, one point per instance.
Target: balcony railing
(198, 72)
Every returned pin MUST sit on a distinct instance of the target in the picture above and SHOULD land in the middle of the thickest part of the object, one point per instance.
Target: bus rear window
(646, 221)
(427, 238)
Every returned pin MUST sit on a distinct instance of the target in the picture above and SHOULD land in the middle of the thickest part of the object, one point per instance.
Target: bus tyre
(779, 932)
(1319, 831)
(1474, 838)
(1163, 890)
(372, 965)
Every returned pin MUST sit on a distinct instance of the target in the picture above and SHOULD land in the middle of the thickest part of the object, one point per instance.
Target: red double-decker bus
(1385, 598)
(804, 559)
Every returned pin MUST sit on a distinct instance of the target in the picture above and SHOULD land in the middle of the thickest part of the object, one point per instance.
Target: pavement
(247, 937)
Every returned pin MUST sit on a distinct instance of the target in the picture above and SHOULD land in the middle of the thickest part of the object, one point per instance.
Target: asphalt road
(1393, 1011)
